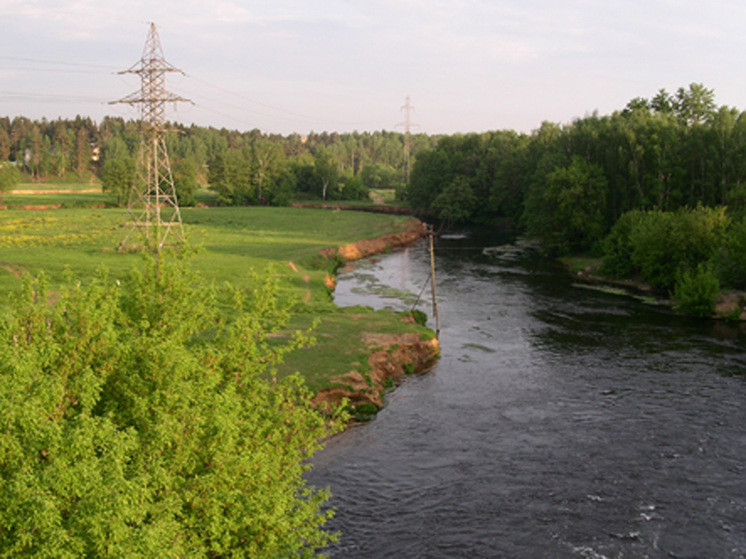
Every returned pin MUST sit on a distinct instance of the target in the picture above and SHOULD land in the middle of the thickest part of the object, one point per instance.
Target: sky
(296, 66)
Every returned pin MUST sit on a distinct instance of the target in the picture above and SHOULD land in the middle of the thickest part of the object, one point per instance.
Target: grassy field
(231, 243)
(55, 194)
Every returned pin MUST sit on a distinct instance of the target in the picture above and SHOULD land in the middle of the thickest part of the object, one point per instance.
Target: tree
(9, 178)
(327, 171)
(267, 161)
(663, 102)
(118, 176)
(229, 175)
(456, 202)
(4, 145)
(696, 104)
(82, 155)
(380, 176)
(577, 194)
(352, 187)
(185, 181)
(127, 431)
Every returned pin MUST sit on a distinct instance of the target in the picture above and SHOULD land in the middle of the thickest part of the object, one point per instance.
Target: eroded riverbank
(392, 356)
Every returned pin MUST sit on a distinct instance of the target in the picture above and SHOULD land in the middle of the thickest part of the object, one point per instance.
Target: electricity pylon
(152, 209)
(407, 124)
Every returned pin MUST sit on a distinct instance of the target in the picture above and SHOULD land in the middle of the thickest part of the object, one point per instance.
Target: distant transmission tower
(152, 209)
(407, 124)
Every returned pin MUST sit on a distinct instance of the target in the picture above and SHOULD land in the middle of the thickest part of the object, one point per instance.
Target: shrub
(731, 258)
(126, 430)
(664, 243)
(696, 291)
(618, 247)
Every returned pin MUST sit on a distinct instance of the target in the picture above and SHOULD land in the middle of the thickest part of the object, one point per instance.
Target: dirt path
(86, 191)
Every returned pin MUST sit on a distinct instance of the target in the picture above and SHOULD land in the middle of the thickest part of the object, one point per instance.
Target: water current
(559, 422)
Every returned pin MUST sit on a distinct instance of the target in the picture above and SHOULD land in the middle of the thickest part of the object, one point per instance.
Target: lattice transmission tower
(407, 124)
(152, 209)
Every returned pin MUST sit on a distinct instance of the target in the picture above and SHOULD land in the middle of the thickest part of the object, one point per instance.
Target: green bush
(664, 243)
(135, 423)
(118, 176)
(618, 247)
(9, 178)
(731, 257)
(696, 291)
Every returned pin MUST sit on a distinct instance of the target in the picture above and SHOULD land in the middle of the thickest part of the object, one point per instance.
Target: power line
(58, 62)
(47, 97)
(53, 70)
(245, 98)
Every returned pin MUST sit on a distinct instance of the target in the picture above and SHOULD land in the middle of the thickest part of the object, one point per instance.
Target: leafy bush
(696, 291)
(118, 176)
(419, 317)
(135, 423)
(618, 247)
(731, 258)
(664, 243)
(9, 178)
(567, 208)
(456, 202)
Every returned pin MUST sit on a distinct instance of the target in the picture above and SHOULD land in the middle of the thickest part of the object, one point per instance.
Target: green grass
(77, 199)
(340, 348)
(232, 240)
(581, 263)
(231, 244)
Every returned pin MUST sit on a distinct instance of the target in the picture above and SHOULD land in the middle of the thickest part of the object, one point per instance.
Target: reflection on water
(560, 422)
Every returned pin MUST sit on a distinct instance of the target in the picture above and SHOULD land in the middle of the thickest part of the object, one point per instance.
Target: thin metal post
(432, 279)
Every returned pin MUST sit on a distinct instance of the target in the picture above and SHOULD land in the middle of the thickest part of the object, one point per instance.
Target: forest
(657, 189)
(242, 168)
(669, 171)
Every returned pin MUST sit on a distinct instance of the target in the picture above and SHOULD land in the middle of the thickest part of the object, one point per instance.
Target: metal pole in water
(432, 279)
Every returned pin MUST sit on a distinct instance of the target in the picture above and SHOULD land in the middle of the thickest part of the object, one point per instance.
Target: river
(559, 422)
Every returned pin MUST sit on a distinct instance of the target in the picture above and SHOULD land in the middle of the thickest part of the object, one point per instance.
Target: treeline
(242, 167)
(657, 188)
(569, 184)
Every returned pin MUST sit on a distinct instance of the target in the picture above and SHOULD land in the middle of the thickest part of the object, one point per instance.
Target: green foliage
(117, 177)
(419, 317)
(135, 423)
(185, 181)
(229, 176)
(363, 412)
(9, 178)
(571, 212)
(353, 188)
(380, 176)
(618, 247)
(731, 257)
(664, 243)
(456, 202)
(696, 291)
(660, 245)
(326, 170)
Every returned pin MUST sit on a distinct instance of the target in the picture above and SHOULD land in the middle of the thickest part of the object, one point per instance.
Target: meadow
(230, 245)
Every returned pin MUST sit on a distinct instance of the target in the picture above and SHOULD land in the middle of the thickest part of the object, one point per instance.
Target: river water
(559, 422)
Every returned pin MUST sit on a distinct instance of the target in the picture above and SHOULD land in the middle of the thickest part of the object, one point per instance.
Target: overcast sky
(288, 66)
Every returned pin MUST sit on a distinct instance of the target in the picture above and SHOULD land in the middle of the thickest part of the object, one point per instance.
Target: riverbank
(299, 248)
(391, 356)
(730, 304)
